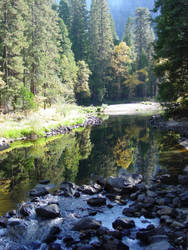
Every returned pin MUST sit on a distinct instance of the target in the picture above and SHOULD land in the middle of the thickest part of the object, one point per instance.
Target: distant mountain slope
(122, 9)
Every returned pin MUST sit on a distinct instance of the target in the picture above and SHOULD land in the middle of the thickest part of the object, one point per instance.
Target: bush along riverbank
(46, 123)
(115, 213)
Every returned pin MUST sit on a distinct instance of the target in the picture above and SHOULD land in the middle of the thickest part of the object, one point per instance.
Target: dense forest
(122, 9)
(60, 52)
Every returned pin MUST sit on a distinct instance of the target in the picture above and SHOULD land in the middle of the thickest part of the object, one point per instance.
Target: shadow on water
(121, 142)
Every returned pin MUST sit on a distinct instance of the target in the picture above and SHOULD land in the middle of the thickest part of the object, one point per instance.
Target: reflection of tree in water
(84, 141)
(137, 150)
(123, 153)
(56, 160)
(172, 156)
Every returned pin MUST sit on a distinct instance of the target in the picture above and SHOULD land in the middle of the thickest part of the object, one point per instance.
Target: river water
(120, 142)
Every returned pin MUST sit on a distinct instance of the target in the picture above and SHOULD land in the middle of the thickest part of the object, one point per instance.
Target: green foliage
(118, 71)
(82, 88)
(101, 45)
(27, 98)
(79, 29)
(171, 48)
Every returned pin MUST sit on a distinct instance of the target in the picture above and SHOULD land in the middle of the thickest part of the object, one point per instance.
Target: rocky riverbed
(91, 121)
(116, 213)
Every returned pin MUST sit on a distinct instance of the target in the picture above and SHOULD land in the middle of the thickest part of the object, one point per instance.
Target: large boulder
(86, 224)
(49, 212)
(98, 201)
(68, 188)
(123, 223)
(86, 189)
(125, 183)
(38, 191)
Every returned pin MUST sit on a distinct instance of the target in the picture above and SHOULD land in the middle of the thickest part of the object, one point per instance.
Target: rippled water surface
(121, 142)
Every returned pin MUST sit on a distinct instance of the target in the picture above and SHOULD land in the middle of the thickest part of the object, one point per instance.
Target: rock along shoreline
(91, 121)
(115, 213)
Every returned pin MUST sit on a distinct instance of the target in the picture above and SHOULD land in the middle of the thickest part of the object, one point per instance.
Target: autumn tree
(119, 71)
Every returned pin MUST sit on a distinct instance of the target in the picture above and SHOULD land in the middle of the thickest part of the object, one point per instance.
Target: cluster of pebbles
(102, 216)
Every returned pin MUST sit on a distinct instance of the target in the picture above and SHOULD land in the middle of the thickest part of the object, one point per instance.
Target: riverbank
(115, 213)
(44, 123)
(143, 108)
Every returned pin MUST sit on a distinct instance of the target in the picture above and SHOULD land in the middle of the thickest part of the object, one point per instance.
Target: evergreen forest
(64, 52)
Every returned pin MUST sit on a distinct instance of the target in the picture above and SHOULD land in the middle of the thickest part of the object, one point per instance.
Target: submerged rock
(49, 212)
(86, 224)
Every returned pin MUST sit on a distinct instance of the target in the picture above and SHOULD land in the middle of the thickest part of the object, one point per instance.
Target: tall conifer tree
(42, 53)
(13, 42)
(101, 45)
(79, 30)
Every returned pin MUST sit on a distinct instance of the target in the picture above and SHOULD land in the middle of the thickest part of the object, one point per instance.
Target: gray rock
(25, 210)
(86, 224)
(123, 184)
(86, 189)
(184, 199)
(49, 212)
(68, 188)
(97, 201)
(123, 223)
(183, 180)
(40, 191)
(165, 210)
(159, 242)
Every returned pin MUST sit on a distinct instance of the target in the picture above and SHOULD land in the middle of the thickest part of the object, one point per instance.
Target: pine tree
(13, 42)
(79, 30)
(68, 68)
(42, 54)
(101, 45)
(144, 38)
(171, 48)
(128, 34)
(65, 12)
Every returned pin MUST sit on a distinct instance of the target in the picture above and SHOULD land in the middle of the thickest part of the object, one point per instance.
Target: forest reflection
(121, 142)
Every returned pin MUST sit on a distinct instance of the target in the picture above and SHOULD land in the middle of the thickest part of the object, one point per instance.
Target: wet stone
(3, 222)
(68, 188)
(122, 223)
(40, 191)
(184, 199)
(25, 210)
(96, 202)
(49, 212)
(86, 224)
(88, 190)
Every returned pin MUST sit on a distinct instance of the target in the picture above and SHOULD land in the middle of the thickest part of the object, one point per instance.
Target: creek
(120, 142)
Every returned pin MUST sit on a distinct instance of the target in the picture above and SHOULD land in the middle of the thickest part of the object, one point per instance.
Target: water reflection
(79, 157)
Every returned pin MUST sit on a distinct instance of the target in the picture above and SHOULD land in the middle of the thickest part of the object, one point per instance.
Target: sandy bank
(133, 108)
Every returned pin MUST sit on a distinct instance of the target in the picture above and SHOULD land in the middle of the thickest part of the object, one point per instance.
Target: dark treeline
(53, 52)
